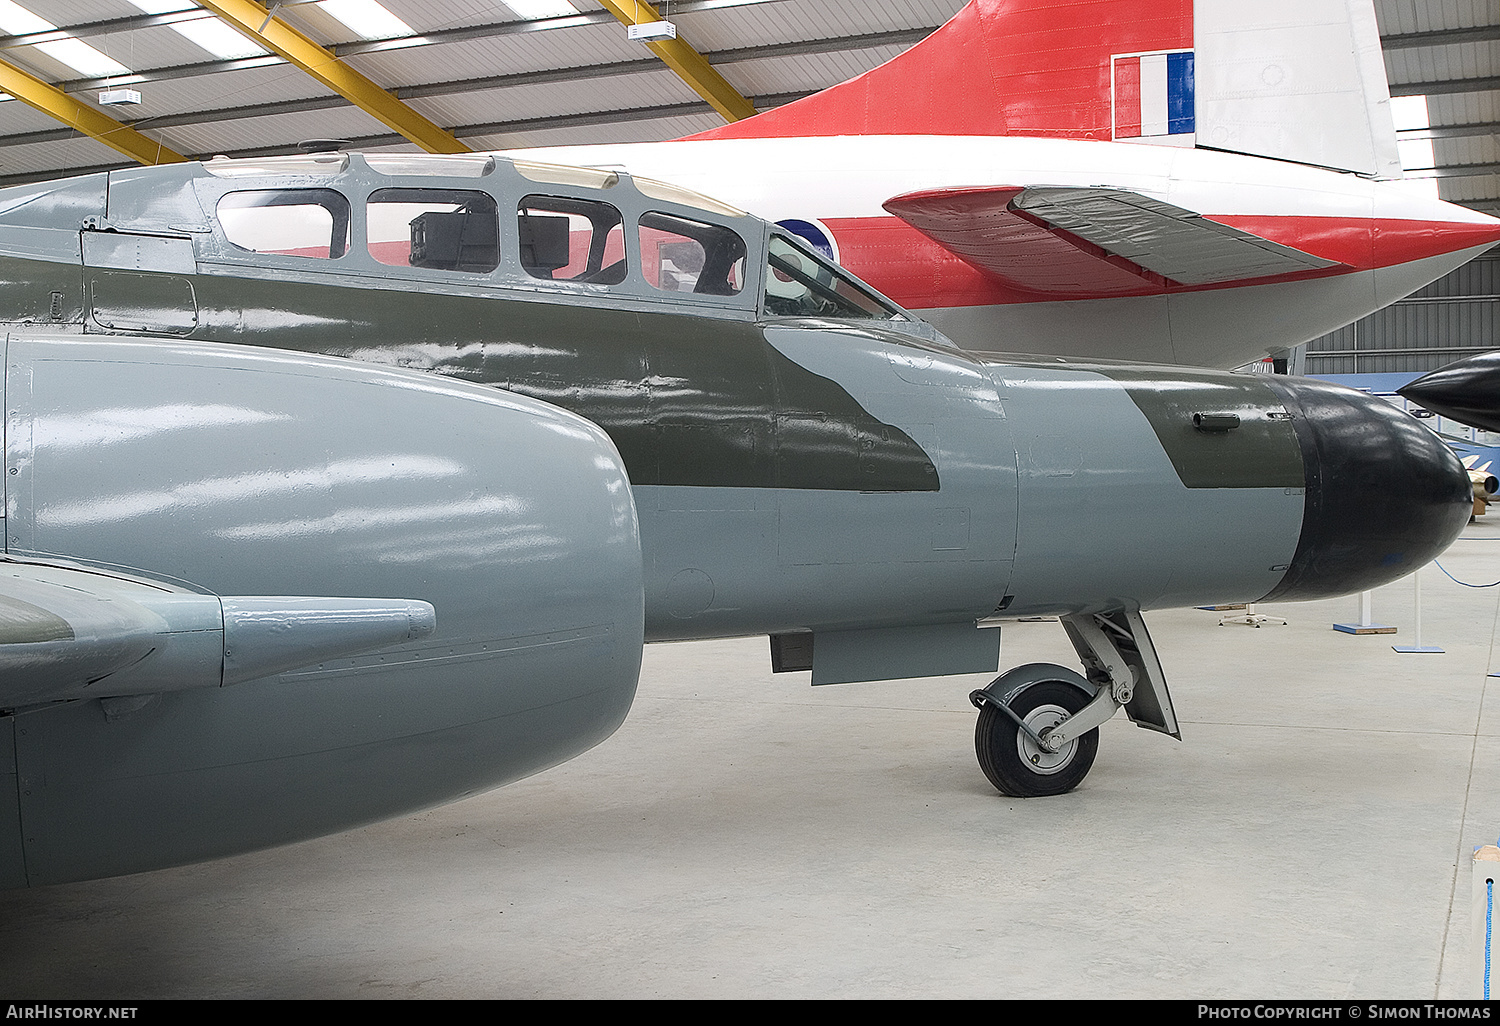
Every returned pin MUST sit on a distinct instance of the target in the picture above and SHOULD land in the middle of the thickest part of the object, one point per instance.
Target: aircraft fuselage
(1384, 240)
(801, 464)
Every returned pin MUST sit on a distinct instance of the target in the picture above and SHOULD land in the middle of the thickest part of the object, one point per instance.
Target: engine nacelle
(232, 472)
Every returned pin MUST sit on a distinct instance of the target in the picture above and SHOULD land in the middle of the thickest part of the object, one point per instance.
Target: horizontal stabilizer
(1177, 244)
(1094, 242)
(72, 632)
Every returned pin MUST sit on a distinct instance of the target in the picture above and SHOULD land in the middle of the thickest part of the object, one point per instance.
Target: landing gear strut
(1038, 724)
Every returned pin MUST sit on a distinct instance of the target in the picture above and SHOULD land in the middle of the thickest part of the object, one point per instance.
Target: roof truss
(264, 28)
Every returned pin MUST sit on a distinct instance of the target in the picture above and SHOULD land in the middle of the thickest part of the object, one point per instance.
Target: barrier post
(1484, 924)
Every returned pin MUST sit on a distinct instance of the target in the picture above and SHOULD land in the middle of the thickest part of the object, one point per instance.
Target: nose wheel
(1013, 750)
(1038, 729)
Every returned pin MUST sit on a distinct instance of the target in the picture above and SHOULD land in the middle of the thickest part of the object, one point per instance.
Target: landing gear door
(1124, 631)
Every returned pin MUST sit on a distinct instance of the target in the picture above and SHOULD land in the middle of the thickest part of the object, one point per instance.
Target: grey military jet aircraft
(807, 461)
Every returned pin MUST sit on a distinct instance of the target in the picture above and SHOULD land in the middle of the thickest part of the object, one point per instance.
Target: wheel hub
(1042, 719)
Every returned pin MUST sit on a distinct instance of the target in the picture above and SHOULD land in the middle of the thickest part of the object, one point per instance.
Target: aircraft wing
(70, 632)
(1093, 242)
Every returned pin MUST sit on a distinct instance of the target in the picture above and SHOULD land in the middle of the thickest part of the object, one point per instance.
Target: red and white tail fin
(1297, 80)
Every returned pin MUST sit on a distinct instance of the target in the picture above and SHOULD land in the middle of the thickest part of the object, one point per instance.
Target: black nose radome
(1467, 390)
(1384, 494)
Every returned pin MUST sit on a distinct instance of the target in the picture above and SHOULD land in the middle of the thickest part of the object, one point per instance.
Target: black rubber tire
(995, 742)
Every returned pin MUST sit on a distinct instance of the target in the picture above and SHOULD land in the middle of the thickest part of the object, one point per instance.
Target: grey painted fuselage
(778, 461)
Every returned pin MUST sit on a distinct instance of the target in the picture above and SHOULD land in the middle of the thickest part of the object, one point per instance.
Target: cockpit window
(287, 222)
(562, 238)
(295, 164)
(681, 255)
(451, 165)
(799, 284)
(448, 229)
(687, 197)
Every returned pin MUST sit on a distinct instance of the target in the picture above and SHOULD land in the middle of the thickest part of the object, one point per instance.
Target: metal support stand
(1418, 647)
(1366, 624)
(1251, 618)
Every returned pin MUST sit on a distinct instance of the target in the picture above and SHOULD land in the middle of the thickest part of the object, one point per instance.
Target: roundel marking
(815, 234)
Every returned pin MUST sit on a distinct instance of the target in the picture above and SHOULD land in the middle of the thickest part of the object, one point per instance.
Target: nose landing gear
(1038, 733)
(1013, 733)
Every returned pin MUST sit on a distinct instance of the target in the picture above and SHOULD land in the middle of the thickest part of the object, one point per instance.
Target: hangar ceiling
(491, 75)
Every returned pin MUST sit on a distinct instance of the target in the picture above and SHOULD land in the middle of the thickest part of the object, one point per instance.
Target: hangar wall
(1456, 316)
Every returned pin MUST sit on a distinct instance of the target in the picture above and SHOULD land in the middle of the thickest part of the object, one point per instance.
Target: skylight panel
(1417, 157)
(16, 20)
(1416, 154)
(1426, 187)
(209, 34)
(217, 38)
(1409, 112)
(163, 6)
(366, 18)
(530, 9)
(1410, 115)
(83, 58)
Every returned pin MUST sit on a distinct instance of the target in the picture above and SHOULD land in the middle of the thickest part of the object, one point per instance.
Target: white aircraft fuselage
(1382, 239)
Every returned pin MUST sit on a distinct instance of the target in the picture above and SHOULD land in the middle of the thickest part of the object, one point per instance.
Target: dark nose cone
(1467, 391)
(1384, 494)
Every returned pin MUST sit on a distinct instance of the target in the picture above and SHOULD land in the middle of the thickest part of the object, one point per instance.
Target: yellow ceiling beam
(689, 64)
(247, 17)
(55, 103)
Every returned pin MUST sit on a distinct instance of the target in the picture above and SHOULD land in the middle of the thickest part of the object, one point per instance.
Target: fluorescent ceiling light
(367, 18)
(209, 33)
(647, 31)
(16, 20)
(530, 9)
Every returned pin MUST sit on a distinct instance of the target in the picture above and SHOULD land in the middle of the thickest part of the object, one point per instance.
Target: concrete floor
(745, 835)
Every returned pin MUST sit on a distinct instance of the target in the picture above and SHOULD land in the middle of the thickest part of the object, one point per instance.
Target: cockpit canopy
(489, 221)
